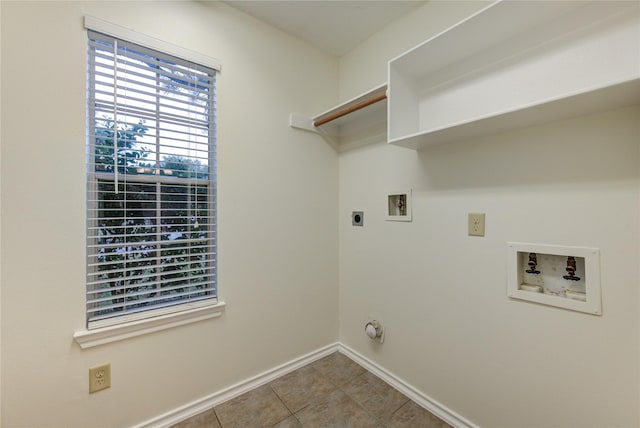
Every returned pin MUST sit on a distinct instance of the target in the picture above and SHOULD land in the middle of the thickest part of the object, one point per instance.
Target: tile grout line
(213, 409)
(341, 384)
(381, 420)
(316, 399)
(283, 403)
(362, 407)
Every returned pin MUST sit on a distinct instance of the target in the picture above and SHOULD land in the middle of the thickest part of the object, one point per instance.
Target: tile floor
(331, 392)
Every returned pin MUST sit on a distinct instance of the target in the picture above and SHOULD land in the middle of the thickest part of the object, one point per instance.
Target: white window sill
(100, 336)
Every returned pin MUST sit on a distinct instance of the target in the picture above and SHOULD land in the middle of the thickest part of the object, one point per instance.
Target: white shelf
(567, 106)
(515, 64)
(357, 128)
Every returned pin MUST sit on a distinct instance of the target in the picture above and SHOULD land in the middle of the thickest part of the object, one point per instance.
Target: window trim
(146, 322)
(181, 316)
(114, 30)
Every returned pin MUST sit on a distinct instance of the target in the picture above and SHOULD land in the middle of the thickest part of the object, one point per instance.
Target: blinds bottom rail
(98, 321)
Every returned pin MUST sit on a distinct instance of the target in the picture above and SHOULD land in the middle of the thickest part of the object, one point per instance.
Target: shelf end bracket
(301, 122)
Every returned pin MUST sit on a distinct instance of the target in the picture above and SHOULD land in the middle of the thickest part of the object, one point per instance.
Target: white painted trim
(104, 27)
(423, 400)
(301, 121)
(191, 409)
(114, 333)
(200, 405)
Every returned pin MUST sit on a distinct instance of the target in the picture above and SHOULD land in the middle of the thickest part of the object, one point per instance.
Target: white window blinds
(151, 211)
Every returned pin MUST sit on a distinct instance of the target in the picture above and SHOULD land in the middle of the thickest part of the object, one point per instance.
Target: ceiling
(335, 26)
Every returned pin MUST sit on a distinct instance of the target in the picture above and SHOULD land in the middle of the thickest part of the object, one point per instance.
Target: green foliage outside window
(141, 261)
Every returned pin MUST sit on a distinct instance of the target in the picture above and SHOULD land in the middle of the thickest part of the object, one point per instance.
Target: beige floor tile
(375, 395)
(300, 387)
(290, 422)
(338, 368)
(205, 419)
(258, 408)
(336, 410)
(413, 416)
(333, 392)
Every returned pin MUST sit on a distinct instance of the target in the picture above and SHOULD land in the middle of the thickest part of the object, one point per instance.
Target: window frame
(131, 324)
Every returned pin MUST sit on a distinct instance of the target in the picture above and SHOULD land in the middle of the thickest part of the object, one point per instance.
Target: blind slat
(150, 73)
(153, 115)
(130, 82)
(148, 287)
(128, 50)
(159, 308)
(138, 280)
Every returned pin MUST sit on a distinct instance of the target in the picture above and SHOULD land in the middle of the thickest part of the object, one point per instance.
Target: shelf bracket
(301, 122)
(351, 132)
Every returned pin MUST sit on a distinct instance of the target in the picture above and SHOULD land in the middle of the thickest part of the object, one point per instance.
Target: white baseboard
(206, 403)
(413, 393)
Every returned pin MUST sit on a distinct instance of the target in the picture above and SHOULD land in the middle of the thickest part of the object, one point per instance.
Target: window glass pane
(128, 245)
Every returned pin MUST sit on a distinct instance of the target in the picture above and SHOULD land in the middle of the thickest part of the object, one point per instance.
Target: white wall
(366, 66)
(277, 216)
(451, 331)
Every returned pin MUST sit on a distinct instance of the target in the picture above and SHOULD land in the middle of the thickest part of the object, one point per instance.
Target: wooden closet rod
(346, 111)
